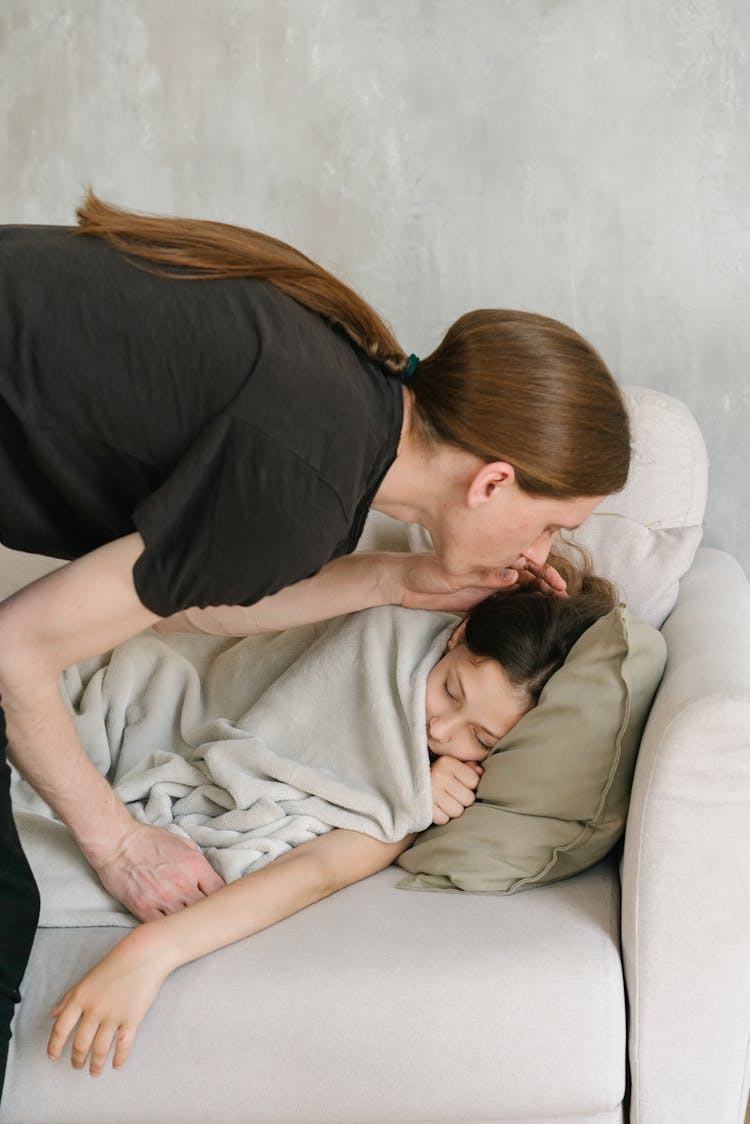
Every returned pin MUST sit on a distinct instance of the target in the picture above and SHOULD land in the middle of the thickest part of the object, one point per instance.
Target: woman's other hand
(154, 872)
(453, 784)
(109, 1003)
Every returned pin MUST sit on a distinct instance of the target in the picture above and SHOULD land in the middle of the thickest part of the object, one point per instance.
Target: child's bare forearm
(299, 878)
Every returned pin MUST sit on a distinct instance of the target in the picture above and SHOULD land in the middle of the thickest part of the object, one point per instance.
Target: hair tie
(411, 366)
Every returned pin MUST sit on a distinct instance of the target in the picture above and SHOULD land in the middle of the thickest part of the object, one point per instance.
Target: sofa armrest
(686, 863)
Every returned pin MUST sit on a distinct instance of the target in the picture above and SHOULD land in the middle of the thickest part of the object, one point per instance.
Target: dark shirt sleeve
(238, 518)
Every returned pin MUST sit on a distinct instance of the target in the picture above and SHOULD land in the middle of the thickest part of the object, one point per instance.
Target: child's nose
(440, 728)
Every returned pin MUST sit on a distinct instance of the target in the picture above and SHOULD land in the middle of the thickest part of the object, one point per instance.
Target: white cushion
(645, 564)
(644, 538)
(668, 477)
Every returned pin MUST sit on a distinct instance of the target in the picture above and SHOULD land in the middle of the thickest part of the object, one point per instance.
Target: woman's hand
(109, 1003)
(453, 784)
(425, 584)
(154, 872)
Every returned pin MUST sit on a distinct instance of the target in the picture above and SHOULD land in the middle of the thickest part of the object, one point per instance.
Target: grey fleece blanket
(248, 747)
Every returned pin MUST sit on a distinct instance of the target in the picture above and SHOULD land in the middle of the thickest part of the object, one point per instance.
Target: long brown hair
(504, 385)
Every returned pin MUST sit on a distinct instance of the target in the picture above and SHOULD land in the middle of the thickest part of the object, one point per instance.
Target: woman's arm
(111, 1000)
(81, 610)
(346, 585)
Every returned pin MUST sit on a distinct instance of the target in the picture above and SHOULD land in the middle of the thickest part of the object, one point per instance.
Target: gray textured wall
(588, 159)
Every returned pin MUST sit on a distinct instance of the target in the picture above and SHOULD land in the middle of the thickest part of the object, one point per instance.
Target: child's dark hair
(530, 633)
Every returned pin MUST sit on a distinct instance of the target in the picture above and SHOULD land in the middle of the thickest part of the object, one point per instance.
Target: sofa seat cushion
(372, 1005)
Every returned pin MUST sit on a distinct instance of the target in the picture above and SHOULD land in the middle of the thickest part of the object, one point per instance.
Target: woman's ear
(457, 635)
(487, 480)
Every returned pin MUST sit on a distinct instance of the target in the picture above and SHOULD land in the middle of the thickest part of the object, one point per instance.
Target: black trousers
(19, 908)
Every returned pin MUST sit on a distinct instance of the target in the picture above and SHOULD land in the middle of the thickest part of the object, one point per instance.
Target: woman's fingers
(550, 576)
(210, 882)
(153, 872)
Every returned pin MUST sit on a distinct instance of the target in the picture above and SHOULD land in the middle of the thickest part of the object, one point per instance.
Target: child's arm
(109, 1002)
(453, 783)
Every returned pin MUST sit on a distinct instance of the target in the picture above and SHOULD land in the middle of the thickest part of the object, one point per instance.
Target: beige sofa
(621, 994)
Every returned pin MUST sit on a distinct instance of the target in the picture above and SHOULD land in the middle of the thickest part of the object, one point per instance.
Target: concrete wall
(587, 159)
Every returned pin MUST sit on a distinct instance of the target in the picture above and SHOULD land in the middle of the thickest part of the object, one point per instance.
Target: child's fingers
(452, 805)
(467, 773)
(84, 1036)
(438, 815)
(60, 1004)
(447, 808)
(458, 794)
(100, 1047)
(64, 1023)
(124, 1041)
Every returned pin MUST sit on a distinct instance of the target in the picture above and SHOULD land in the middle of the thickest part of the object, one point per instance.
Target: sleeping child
(373, 724)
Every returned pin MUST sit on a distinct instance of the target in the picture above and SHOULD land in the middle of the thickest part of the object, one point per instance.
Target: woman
(198, 415)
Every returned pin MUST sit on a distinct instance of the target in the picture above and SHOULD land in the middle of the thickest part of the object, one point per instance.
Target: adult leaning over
(198, 415)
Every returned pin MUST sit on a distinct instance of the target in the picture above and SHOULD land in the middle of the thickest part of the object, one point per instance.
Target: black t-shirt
(237, 431)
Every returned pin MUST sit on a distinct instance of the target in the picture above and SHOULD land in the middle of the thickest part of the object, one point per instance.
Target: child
(496, 663)
(494, 667)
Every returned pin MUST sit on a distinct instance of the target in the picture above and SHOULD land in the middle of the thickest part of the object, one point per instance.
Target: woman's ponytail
(197, 248)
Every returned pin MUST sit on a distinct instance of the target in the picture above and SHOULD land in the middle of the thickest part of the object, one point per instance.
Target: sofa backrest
(669, 470)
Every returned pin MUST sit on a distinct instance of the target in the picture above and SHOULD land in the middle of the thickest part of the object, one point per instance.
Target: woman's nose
(539, 550)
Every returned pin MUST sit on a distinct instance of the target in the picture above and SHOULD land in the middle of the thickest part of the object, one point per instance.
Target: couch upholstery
(621, 994)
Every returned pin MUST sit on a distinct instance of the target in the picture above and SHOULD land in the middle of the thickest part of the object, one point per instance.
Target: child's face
(469, 705)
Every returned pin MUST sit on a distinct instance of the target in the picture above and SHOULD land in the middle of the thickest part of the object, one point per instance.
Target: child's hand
(453, 784)
(109, 1002)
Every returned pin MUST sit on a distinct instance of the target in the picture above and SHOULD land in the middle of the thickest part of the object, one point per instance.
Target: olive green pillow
(554, 795)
